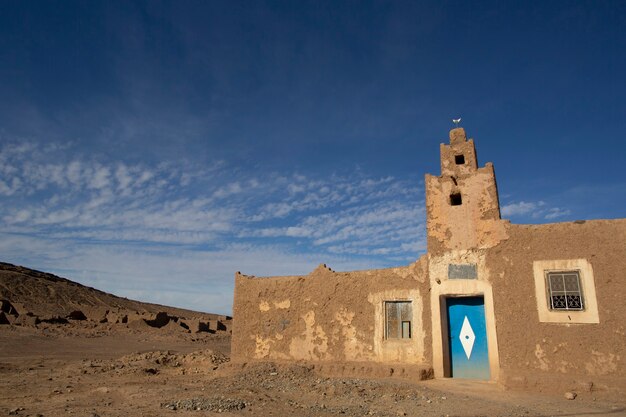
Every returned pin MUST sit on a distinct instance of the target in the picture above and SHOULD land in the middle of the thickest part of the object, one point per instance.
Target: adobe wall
(330, 316)
(474, 222)
(557, 356)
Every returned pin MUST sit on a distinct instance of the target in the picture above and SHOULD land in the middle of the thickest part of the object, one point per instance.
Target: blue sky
(152, 149)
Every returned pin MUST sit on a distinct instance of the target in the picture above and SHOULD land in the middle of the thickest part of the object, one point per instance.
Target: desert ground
(71, 350)
(115, 370)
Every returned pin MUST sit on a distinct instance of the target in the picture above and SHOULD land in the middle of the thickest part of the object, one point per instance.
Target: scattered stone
(218, 404)
(570, 395)
(15, 411)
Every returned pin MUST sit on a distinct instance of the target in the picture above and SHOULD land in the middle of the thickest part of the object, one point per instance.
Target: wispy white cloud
(84, 196)
(357, 216)
(129, 228)
(521, 208)
(555, 213)
(533, 210)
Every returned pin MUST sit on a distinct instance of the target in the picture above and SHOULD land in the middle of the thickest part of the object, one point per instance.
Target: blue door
(467, 337)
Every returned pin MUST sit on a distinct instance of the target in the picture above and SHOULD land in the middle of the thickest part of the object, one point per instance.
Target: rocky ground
(61, 370)
(71, 350)
(29, 297)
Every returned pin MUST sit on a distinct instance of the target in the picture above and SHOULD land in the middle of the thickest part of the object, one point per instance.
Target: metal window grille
(398, 316)
(565, 291)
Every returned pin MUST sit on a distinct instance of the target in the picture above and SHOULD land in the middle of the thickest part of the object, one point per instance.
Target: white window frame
(587, 286)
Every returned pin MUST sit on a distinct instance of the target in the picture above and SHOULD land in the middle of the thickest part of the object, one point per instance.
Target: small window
(459, 159)
(455, 199)
(564, 291)
(398, 316)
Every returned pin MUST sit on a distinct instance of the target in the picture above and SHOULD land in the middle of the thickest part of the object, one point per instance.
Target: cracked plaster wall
(563, 355)
(330, 316)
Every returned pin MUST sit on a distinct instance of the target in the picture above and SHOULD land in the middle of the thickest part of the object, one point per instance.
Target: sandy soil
(77, 370)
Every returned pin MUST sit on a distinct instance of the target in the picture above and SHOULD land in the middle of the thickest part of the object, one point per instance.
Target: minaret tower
(463, 211)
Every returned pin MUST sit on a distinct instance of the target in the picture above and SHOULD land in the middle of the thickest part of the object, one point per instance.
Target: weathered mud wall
(330, 316)
(561, 355)
(462, 205)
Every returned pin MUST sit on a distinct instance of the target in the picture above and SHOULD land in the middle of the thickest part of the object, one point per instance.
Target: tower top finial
(457, 135)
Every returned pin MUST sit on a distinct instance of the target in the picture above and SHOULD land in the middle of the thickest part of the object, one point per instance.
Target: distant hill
(44, 297)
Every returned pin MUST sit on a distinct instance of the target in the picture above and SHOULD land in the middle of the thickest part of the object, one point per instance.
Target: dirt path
(135, 374)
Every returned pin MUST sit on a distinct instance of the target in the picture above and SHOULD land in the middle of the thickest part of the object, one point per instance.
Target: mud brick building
(524, 305)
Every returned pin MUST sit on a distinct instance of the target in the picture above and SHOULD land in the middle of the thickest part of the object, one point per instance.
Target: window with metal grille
(398, 316)
(565, 291)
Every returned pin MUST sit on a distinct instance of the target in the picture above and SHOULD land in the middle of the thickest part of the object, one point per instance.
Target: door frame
(439, 314)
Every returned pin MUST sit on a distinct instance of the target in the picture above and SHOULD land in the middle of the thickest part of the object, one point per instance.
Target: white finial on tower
(456, 122)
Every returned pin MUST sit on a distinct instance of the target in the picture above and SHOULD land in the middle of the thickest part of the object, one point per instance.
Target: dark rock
(197, 326)
(77, 315)
(55, 320)
(4, 319)
(160, 320)
(8, 308)
(204, 327)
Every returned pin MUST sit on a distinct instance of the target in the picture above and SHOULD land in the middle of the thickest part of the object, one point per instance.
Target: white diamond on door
(467, 337)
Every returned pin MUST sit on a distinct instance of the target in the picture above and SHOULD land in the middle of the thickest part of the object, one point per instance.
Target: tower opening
(455, 199)
(459, 159)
